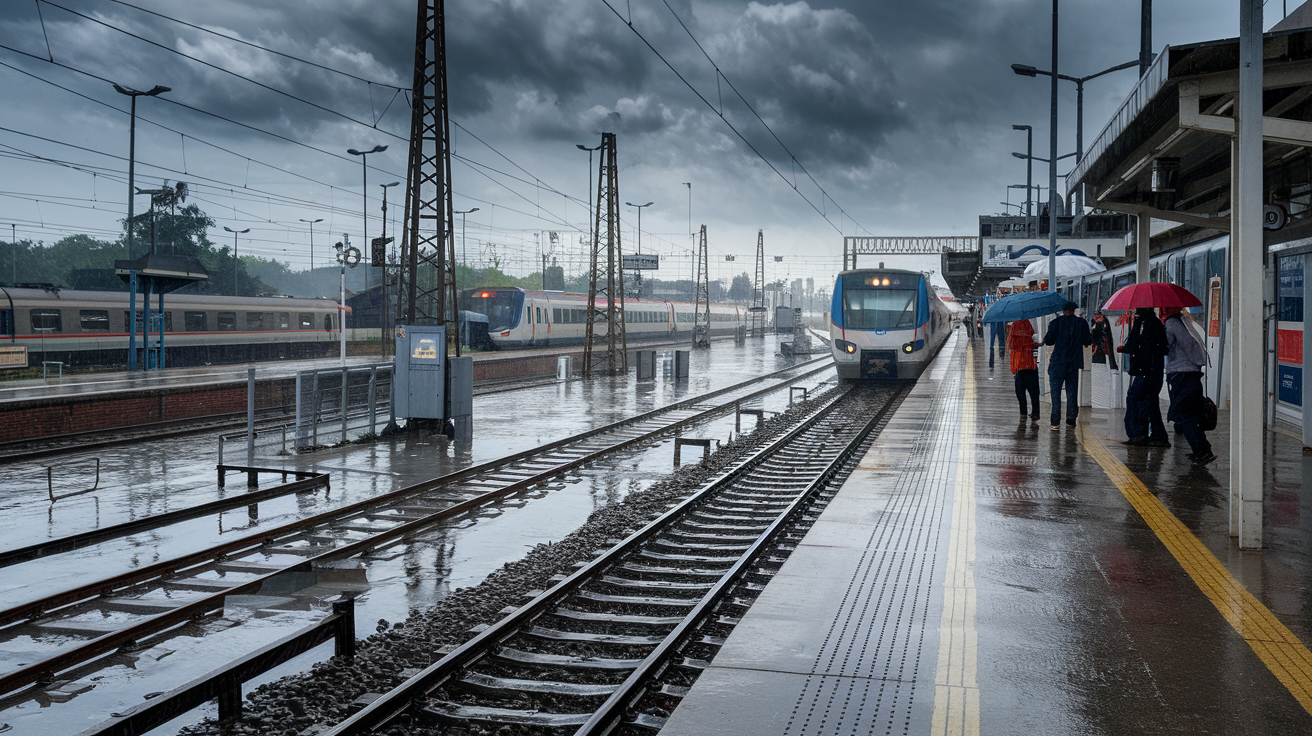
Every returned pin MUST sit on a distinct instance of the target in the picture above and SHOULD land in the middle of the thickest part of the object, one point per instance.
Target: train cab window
(93, 320)
(196, 321)
(879, 309)
(227, 321)
(284, 320)
(306, 320)
(255, 320)
(46, 320)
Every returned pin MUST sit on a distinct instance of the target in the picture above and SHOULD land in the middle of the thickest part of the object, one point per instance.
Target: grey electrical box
(419, 383)
(646, 360)
(461, 385)
(681, 367)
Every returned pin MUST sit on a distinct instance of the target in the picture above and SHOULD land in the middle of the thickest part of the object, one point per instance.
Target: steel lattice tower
(757, 310)
(701, 324)
(427, 289)
(606, 282)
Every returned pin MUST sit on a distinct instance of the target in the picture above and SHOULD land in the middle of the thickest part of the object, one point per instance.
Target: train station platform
(981, 575)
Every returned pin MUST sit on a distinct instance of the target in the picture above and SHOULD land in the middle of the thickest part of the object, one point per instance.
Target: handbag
(1208, 421)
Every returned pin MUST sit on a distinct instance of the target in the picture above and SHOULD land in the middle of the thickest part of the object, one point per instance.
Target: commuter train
(89, 328)
(521, 318)
(886, 324)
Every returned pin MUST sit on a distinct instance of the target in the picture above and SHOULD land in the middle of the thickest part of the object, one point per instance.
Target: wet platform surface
(978, 575)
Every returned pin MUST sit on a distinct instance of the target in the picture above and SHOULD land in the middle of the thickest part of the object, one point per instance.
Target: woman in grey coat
(1184, 378)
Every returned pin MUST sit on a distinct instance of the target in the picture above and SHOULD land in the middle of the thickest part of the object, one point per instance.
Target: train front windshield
(502, 307)
(879, 309)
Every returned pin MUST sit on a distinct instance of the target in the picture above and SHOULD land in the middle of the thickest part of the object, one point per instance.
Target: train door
(1213, 319)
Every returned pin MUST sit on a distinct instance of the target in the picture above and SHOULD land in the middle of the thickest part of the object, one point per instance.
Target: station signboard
(642, 262)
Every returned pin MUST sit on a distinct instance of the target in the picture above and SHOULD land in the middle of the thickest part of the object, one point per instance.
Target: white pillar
(1246, 430)
(1143, 234)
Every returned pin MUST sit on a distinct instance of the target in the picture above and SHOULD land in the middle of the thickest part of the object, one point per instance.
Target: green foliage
(741, 288)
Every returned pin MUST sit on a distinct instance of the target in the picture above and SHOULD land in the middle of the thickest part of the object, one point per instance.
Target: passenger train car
(89, 328)
(886, 324)
(520, 318)
(1201, 269)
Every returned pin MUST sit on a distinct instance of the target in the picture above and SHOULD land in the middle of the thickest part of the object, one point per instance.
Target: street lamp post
(312, 222)
(382, 318)
(235, 233)
(1029, 174)
(364, 202)
(463, 255)
(639, 208)
(132, 145)
(591, 214)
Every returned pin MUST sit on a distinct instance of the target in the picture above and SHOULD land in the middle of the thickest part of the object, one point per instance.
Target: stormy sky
(886, 118)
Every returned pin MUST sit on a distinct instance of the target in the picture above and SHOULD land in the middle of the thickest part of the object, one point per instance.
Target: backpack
(1208, 421)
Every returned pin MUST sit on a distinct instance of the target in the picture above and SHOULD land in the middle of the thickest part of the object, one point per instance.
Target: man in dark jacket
(1068, 335)
(1147, 348)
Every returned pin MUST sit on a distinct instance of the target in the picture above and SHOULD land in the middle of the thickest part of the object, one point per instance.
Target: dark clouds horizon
(902, 111)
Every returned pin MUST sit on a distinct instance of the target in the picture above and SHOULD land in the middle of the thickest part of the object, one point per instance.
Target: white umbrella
(1067, 266)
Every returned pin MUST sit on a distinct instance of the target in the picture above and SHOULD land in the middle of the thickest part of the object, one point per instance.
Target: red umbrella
(1151, 294)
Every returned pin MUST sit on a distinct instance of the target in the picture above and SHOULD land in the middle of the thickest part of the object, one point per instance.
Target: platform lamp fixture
(312, 223)
(155, 91)
(639, 208)
(582, 147)
(463, 256)
(364, 197)
(235, 233)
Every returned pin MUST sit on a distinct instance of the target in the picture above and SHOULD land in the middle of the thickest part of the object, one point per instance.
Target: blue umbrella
(1025, 305)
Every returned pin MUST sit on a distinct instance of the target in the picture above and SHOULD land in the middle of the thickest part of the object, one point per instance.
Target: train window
(227, 321)
(1195, 272)
(1123, 280)
(196, 321)
(255, 320)
(1216, 262)
(46, 320)
(537, 314)
(555, 315)
(879, 309)
(284, 320)
(7, 322)
(528, 315)
(166, 320)
(93, 320)
(305, 320)
(327, 323)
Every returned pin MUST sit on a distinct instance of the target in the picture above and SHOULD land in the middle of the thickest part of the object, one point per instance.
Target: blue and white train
(521, 318)
(886, 324)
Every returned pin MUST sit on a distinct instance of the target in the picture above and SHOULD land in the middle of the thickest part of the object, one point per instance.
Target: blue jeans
(998, 335)
(1064, 374)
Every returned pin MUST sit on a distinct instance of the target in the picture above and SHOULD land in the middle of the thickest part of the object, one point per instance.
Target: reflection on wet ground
(402, 576)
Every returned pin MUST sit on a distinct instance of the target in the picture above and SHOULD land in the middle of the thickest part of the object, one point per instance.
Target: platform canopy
(1166, 152)
(165, 273)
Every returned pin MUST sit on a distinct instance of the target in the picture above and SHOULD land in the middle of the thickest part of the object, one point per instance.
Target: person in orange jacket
(1020, 342)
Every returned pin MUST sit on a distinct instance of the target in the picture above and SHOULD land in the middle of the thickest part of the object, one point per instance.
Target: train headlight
(909, 348)
(845, 346)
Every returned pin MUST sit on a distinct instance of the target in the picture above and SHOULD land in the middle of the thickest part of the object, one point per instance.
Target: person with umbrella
(1068, 335)
(1184, 379)
(1146, 347)
(1102, 340)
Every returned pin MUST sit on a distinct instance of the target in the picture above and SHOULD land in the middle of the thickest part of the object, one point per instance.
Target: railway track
(149, 601)
(613, 647)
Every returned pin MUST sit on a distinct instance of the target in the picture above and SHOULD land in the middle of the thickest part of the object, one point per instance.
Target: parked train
(89, 328)
(1201, 269)
(886, 324)
(520, 318)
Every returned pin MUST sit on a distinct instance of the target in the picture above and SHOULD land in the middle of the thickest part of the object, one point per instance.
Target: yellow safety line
(956, 688)
(1278, 648)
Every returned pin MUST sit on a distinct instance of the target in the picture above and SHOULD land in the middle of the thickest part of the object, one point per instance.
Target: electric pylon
(701, 324)
(757, 310)
(606, 289)
(427, 289)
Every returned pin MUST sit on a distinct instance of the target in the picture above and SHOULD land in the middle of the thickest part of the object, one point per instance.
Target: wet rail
(158, 597)
(617, 643)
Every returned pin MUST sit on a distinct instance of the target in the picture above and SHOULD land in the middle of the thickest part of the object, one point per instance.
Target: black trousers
(1143, 410)
(1187, 409)
(1027, 382)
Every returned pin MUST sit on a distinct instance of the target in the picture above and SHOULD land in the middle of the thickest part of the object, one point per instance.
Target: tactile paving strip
(863, 680)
